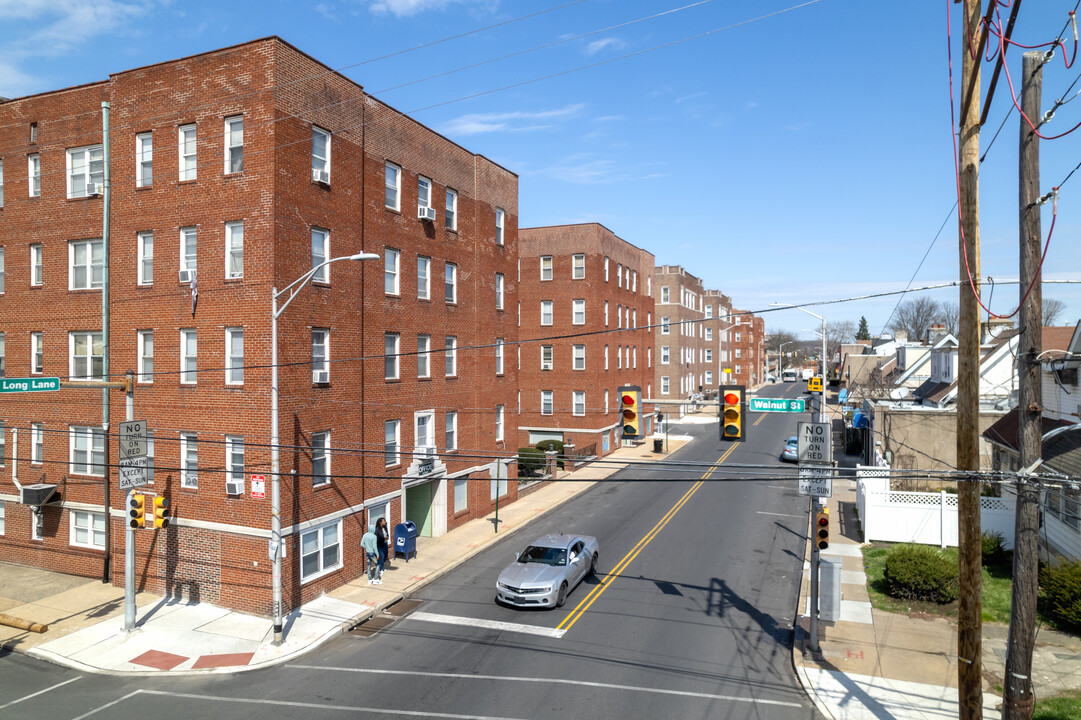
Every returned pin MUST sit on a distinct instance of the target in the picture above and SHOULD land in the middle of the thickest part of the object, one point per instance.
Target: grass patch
(1063, 707)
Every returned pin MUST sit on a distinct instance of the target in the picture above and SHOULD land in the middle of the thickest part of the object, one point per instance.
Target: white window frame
(709, 334)
(37, 443)
(234, 145)
(547, 357)
(579, 357)
(578, 266)
(188, 154)
(318, 161)
(708, 355)
(89, 339)
(189, 362)
(606, 313)
(189, 239)
(392, 446)
(546, 314)
(547, 271)
(94, 437)
(36, 265)
(619, 275)
(90, 523)
(547, 401)
(391, 271)
(450, 283)
(80, 169)
(450, 430)
(451, 355)
(666, 294)
(145, 360)
(424, 192)
(234, 250)
(321, 456)
(145, 269)
(392, 186)
(500, 221)
(665, 385)
(234, 446)
(424, 356)
(709, 378)
(666, 354)
(37, 353)
(666, 326)
(320, 351)
(234, 364)
(424, 278)
(606, 268)
(578, 403)
(391, 355)
(499, 356)
(320, 253)
(33, 174)
(498, 287)
(90, 268)
(144, 160)
(321, 535)
(499, 415)
(605, 357)
(189, 461)
(450, 218)
(578, 312)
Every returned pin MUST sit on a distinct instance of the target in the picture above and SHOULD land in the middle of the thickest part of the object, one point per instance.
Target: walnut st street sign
(794, 405)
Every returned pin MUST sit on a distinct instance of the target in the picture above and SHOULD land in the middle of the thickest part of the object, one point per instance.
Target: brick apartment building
(234, 172)
(586, 313)
(717, 336)
(748, 363)
(680, 340)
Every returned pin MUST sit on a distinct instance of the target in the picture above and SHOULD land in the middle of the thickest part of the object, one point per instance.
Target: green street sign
(795, 405)
(36, 384)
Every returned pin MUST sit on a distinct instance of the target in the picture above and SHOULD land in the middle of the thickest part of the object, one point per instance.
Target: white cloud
(406, 8)
(14, 82)
(597, 45)
(476, 123)
(66, 25)
(692, 96)
(586, 170)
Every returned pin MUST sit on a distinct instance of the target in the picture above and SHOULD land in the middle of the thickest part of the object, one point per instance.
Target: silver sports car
(547, 570)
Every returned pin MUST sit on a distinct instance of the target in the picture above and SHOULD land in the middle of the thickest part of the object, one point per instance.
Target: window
(424, 343)
(234, 145)
(234, 356)
(546, 357)
(451, 218)
(37, 443)
(85, 260)
(738, 337)
(424, 192)
(392, 442)
(709, 311)
(86, 171)
(188, 356)
(578, 267)
(390, 271)
(634, 288)
(606, 313)
(320, 551)
(33, 174)
(393, 188)
(188, 236)
(619, 275)
(1, 183)
(234, 249)
(461, 496)
(606, 268)
(390, 355)
(234, 460)
(35, 264)
(578, 403)
(189, 461)
(499, 356)
(605, 402)
(451, 426)
(665, 327)
(709, 334)
(499, 423)
(145, 242)
(546, 312)
(423, 280)
(664, 385)
(87, 451)
(320, 154)
(665, 295)
(188, 165)
(37, 353)
(451, 356)
(619, 357)
(145, 340)
(579, 312)
(709, 377)
(546, 402)
(739, 370)
(739, 352)
(619, 316)
(320, 458)
(709, 355)
(605, 357)
(320, 355)
(500, 218)
(450, 283)
(579, 352)
(498, 288)
(665, 354)
(87, 359)
(88, 529)
(320, 249)
(546, 267)
(144, 160)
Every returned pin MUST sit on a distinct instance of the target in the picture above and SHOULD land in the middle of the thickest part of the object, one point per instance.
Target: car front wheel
(593, 565)
(562, 598)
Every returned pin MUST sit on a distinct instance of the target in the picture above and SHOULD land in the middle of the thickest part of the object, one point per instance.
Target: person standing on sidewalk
(371, 551)
(382, 539)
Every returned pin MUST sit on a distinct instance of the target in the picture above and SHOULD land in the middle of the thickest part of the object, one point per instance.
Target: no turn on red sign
(815, 443)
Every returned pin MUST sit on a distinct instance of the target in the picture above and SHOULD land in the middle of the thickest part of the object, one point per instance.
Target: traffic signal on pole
(630, 405)
(732, 412)
(161, 512)
(137, 511)
(822, 528)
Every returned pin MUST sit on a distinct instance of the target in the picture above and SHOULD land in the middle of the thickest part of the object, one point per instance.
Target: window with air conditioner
(86, 171)
(320, 355)
(546, 357)
(320, 155)
(188, 253)
(189, 461)
(234, 465)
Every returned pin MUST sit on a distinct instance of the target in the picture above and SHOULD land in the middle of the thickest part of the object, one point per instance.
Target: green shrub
(918, 572)
(556, 445)
(530, 460)
(1061, 587)
(993, 552)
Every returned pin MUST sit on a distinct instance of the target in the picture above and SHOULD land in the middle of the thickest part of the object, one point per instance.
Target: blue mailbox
(405, 539)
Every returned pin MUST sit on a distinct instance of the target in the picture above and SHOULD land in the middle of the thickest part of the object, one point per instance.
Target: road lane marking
(597, 591)
(554, 681)
(488, 624)
(39, 692)
(799, 517)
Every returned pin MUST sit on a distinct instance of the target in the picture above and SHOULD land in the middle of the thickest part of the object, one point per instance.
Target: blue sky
(798, 152)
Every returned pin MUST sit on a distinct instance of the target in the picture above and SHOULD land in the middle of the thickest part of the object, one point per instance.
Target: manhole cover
(386, 617)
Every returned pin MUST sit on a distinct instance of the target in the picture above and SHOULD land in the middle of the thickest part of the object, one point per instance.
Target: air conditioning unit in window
(186, 275)
(546, 366)
(425, 213)
(234, 487)
(37, 494)
(320, 376)
(320, 176)
(93, 189)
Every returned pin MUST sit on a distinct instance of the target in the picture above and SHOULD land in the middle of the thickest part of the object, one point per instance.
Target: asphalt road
(690, 616)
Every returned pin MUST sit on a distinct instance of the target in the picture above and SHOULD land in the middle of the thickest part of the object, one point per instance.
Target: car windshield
(792, 441)
(546, 555)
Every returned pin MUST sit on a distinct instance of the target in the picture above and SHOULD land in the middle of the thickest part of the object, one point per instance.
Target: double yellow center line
(598, 590)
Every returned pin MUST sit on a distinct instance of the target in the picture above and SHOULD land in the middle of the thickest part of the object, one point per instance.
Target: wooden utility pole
(1018, 699)
(970, 612)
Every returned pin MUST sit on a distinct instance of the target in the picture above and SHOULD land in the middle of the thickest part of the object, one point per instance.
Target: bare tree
(915, 317)
(950, 316)
(837, 334)
(1052, 309)
(777, 338)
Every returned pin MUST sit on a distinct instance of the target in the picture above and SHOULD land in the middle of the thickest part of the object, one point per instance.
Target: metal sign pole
(815, 557)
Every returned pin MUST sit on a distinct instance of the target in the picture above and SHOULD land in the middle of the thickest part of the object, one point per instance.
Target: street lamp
(822, 404)
(275, 496)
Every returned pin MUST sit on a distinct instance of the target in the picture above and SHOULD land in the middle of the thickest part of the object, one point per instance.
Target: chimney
(901, 336)
(993, 328)
(936, 333)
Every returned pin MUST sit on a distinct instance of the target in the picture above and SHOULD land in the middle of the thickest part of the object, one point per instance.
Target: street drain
(385, 618)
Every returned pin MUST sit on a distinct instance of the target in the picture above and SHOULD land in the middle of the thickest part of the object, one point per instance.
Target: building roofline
(587, 224)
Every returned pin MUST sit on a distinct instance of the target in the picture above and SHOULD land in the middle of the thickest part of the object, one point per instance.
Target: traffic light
(630, 401)
(732, 413)
(822, 528)
(137, 512)
(161, 512)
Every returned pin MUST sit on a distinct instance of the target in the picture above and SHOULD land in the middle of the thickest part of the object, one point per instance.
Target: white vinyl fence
(926, 518)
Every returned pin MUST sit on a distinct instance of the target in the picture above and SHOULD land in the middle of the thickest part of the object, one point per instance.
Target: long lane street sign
(795, 405)
(34, 384)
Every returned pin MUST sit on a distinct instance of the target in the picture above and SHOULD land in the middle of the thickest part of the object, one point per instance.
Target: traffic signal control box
(630, 406)
(732, 409)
